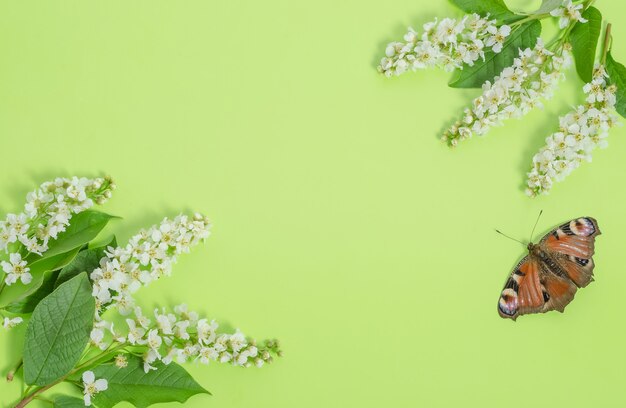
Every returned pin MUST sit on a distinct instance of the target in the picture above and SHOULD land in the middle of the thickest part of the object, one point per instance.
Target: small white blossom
(121, 361)
(447, 44)
(135, 334)
(154, 341)
(148, 256)
(92, 386)
(534, 75)
(498, 35)
(16, 269)
(11, 323)
(567, 13)
(96, 338)
(581, 131)
(47, 212)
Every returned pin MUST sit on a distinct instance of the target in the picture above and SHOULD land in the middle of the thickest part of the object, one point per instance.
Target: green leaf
(584, 39)
(83, 227)
(547, 6)
(86, 261)
(168, 383)
(58, 332)
(107, 242)
(495, 8)
(525, 36)
(617, 76)
(68, 402)
(52, 263)
(27, 303)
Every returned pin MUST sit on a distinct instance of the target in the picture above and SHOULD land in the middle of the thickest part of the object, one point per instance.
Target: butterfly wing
(572, 246)
(522, 293)
(558, 291)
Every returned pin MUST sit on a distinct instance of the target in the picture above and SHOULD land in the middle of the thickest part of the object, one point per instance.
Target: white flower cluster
(518, 89)
(148, 256)
(567, 13)
(447, 44)
(580, 132)
(91, 386)
(182, 336)
(47, 213)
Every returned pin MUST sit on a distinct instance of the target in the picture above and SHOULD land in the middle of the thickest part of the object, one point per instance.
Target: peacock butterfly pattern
(549, 276)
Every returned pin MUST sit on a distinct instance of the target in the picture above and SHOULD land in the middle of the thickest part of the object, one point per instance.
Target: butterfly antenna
(516, 240)
(532, 233)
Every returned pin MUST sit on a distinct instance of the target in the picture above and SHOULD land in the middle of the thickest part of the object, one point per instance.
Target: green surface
(342, 225)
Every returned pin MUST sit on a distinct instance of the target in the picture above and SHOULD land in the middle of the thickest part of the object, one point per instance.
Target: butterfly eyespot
(508, 302)
(582, 227)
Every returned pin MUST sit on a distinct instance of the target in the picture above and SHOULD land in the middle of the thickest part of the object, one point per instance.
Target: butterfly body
(549, 276)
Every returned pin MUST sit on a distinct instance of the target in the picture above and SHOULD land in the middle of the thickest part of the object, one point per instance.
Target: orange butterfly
(548, 277)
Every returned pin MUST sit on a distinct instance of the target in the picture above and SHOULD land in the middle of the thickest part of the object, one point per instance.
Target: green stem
(530, 18)
(29, 398)
(606, 44)
(40, 398)
(11, 373)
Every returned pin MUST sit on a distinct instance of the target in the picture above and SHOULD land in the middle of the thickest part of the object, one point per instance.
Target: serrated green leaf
(584, 39)
(495, 8)
(168, 383)
(617, 76)
(83, 227)
(68, 402)
(525, 36)
(547, 6)
(27, 303)
(58, 332)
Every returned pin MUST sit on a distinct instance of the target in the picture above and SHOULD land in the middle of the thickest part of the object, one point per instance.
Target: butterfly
(548, 277)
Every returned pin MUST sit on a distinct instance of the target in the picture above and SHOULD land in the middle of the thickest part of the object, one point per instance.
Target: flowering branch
(73, 307)
(519, 71)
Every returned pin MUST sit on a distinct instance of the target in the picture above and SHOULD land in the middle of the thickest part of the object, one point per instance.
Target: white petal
(102, 384)
(88, 377)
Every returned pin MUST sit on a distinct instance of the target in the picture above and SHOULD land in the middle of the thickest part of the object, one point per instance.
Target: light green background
(342, 225)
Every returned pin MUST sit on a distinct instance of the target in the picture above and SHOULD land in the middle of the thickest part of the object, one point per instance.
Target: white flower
(11, 323)
(96, 337)
(568, 12)
(498, 35)
(187, 352)
(206, 331)
(184, 313)
(148, 256)
(447, 44)
(135, 334)
(154, 340)
(237, 341)
(513, 93)
(581, 131)
(121, 361)
(92, 386)
(208, 354)
(16, 269)
(180, 329)
(150, 357)
(48, 211)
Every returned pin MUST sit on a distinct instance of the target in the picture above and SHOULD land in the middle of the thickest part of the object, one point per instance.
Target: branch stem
(29, 398)
(606, 45)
